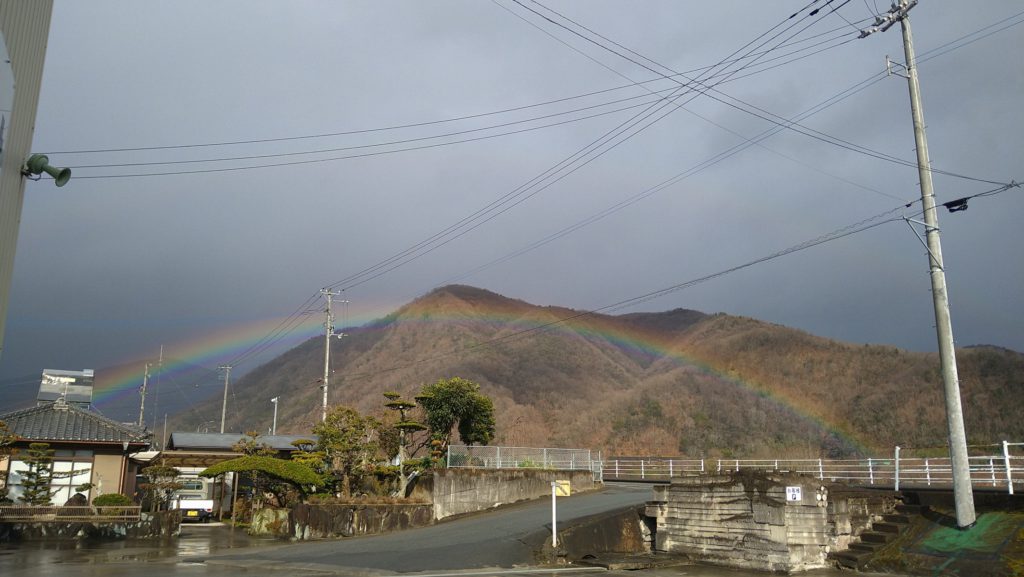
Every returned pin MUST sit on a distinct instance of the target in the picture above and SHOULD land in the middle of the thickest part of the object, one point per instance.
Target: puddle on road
(194, 542)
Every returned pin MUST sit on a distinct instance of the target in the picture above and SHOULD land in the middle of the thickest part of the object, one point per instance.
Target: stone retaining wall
(160, 525)
(322, 521)
(745, 519)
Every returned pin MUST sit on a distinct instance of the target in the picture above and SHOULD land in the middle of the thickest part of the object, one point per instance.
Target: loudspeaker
(39, 163)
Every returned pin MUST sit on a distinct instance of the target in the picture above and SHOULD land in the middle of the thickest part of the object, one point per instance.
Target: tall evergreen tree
(37, 480)
(7, 439)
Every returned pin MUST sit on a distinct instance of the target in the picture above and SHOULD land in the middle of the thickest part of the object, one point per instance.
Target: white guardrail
(1000, 469)
(492, 457)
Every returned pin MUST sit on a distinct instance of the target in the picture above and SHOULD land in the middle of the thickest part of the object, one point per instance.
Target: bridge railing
(651, 468)
(996, 469)
(495, 457)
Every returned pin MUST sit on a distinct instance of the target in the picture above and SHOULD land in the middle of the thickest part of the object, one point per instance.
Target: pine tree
(7, 439)
(36, 481)
(406, 429)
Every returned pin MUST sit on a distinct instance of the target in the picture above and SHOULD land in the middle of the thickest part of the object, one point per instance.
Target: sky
(377, 126)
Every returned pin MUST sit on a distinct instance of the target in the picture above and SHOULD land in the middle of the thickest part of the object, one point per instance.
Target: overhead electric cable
(849, 230)
(938, 51)
(310, 161)
(749, 108)
(408, 140)
(439, 121)
(755, 141)
(1010, 24)
(437, 240)
(468, 224)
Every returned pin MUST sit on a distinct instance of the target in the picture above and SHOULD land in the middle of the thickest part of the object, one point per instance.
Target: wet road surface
(470, 547)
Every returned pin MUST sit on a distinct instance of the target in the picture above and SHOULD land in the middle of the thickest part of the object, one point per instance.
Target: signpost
(560, 488)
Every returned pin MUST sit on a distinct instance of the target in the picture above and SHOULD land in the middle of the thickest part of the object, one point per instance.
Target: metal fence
(55, 514)
(651, 468)
(999, 469)
(525, 458)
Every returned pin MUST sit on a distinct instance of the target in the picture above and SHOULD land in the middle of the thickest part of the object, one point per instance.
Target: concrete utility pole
(157, 389)
(273, 429)
(224, 405)
(328, 333)
(142, 394)
(962, 490)
(24, 31)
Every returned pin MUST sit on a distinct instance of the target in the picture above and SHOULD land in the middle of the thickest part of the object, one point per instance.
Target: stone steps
(851, 559)
(881, 533)
(888, 527)
(877, 537)
(899, 518)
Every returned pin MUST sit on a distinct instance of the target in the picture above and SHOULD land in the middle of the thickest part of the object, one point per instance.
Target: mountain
(679, 382)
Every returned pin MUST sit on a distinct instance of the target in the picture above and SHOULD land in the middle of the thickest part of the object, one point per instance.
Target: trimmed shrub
(112, 499)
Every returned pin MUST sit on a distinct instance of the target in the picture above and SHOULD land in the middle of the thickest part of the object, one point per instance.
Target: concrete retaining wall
(326, 521)
(616, 532)
(160, 525)
(745, 520)
(460, 491)
(445, 493)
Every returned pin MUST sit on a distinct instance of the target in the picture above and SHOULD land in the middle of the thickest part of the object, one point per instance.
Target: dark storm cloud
(109, 269)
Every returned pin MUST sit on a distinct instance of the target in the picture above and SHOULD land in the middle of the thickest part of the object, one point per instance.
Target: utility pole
(273, 429)
(962, 490)
(224, 405)
(156, 389)
(142, 394)
(328, 333)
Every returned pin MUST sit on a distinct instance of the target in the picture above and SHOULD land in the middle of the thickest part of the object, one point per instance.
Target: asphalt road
(505, 537)
(494, 544)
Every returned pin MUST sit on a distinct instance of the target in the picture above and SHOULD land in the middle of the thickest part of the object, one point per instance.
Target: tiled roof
(223, 441)
(60, 421)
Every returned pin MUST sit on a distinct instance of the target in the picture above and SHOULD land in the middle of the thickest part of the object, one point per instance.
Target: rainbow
(504, 317)
(509, 318)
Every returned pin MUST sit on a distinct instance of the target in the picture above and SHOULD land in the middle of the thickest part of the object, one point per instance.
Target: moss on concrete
(993, 547)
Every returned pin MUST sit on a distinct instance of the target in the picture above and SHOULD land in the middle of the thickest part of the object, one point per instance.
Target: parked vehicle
(194, 509)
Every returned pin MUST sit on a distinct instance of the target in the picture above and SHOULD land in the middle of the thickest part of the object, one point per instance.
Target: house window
(70, 469)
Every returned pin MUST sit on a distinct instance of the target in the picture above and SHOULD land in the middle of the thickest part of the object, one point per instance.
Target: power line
(742, 105)
(421, 123)
(849, 230)
(373, 145)
(501, 205)
(496, 208)
(403, 141)
(290, 324)
(293, 163)
(672, 76)
(172, 173)
(827, 103)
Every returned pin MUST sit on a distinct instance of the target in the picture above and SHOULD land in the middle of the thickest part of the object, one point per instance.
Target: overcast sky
(108, 269)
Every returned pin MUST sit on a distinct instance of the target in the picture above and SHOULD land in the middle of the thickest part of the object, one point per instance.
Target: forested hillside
(673, 383)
